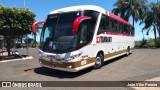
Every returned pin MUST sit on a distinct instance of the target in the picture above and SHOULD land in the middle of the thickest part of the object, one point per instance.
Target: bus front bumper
(63, 66)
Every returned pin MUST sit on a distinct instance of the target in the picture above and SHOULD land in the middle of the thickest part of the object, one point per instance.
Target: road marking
(27, 58)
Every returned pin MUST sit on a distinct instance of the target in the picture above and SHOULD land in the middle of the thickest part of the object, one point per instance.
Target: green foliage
(151, 43)
(158, 43)
(144, 43)
(152, 19)
(15, 23)
(148, 14)
(31, 42)
(137, 43)
(147, 43)
(18, 45)
(127, 8)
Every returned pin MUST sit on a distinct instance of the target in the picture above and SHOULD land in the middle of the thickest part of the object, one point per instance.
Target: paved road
(142, 65)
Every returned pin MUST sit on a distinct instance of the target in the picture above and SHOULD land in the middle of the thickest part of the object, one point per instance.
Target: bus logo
(103, 39)
(97, 39)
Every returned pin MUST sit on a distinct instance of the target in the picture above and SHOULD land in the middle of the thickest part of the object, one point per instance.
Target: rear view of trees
(14, 23)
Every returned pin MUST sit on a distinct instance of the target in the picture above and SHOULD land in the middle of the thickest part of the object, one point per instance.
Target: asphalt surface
(142, 65)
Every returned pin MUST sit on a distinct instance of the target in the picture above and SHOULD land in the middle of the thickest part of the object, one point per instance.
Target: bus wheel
(99, 61)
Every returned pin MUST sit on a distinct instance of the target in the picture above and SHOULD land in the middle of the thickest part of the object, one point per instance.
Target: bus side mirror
(36, 23)
(77, 22)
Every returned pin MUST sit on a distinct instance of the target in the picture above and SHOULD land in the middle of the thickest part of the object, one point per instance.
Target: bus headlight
(72, 57)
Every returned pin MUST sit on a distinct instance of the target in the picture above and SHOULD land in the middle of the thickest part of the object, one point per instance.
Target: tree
(30, 41)
(127, 8)
(120, 9)
(152, 19)
(15, 23)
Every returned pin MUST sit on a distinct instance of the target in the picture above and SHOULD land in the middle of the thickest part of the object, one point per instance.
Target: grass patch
(147, 43)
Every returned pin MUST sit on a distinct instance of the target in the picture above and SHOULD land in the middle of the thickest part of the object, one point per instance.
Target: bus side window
(118, 27)
(115, 26)
(129, 30)
(102, 26)
(107, 23)
(111, 24)
(85, 32)
(132, 30)
(121, 28)
(92, 22)
(125, 29)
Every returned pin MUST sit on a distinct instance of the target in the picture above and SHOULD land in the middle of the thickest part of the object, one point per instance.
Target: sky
(41, 8)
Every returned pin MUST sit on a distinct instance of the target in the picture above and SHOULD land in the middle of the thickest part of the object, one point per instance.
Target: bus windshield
(57, 34)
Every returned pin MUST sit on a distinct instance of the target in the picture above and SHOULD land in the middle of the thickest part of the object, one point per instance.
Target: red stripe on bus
(119, 19)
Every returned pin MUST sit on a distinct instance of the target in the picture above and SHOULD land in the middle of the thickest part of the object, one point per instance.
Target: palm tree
(127, 8)
(152, 19)
(120, 9)
(157, 7)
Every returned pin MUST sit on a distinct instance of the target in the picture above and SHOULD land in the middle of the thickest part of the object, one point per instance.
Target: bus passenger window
(132, 31)
(120, 27)
(111, 24)
(92, 22)
(115, 26)
(128, 30)
(107, 23)
(102, 26)
(125, 29)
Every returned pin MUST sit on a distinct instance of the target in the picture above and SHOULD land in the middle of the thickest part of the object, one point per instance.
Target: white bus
(78, 37)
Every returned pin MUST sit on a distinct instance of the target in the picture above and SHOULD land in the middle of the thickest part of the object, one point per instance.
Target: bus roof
(90, 7)
(77, 8)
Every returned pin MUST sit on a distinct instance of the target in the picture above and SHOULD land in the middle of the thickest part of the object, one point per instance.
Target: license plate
(52, 66)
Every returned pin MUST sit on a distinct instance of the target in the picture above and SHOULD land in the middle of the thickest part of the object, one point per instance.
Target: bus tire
(99, 61)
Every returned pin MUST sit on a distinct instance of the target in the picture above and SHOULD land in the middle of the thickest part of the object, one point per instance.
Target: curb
(11, 60)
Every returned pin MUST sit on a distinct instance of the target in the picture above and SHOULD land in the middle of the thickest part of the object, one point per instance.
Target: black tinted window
(102, 25)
